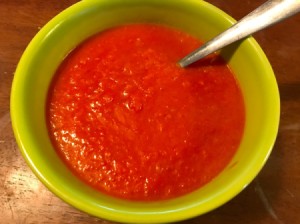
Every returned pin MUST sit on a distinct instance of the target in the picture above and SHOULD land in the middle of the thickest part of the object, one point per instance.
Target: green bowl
(82, 20)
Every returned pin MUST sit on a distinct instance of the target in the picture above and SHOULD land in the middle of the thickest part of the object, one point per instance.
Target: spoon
(269, 13)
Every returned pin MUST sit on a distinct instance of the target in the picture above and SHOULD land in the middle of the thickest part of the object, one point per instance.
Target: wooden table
(273, 197)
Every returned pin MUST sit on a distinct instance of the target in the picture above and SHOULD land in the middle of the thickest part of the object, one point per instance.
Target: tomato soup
(128, 121)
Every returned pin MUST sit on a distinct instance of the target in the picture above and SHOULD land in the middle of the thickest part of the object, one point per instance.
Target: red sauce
(130, 122)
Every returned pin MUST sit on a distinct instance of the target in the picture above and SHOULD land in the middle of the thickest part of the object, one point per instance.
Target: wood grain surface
(273, 197)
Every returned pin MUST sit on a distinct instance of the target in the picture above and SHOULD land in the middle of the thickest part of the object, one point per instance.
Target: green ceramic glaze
(86, 18)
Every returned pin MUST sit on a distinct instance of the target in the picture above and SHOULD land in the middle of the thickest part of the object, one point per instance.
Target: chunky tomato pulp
(131, 123)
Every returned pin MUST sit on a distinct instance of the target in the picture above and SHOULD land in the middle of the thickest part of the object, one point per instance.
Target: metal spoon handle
(267, 14)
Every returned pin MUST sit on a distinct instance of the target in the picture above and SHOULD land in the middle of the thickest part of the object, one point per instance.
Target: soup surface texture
(128, 121)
